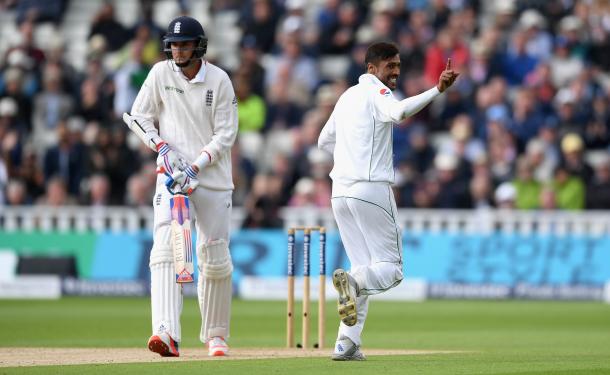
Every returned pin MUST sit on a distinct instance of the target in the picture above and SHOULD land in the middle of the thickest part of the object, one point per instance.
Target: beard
(391, 82)
(183, 64)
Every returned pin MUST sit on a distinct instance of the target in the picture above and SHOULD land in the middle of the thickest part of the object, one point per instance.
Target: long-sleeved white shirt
(194, 116)
(359, 130)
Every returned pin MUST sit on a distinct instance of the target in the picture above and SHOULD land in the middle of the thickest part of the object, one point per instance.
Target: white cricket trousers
(366, 216)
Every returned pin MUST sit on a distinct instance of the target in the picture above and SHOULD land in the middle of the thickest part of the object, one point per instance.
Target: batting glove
(183, 182)
(169, 159)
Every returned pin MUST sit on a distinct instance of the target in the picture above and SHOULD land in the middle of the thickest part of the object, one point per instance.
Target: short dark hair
(380, 51)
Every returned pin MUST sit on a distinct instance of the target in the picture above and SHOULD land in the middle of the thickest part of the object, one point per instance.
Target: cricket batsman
(195, 107)
(359, 135)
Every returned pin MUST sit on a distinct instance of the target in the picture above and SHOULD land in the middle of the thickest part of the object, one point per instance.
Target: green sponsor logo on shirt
(171, 88)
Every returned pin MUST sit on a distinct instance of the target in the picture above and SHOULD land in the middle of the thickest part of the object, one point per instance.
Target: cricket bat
(181, 240)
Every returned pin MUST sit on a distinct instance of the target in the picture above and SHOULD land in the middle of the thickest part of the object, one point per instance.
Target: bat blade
(181, 240)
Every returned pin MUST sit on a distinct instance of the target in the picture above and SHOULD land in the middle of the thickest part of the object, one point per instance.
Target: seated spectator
(564, 68)
(528, 189)
(105, 24)
(259, 19)
(139, 193)
(51, 107)
(98, 192)
(572, 153)
(548, 198)
(446, 45)
(598, 192)
(291, 74)
(66, 159)
(542, 159)
(505, 196)
(481, 192)
(13, 81)
(518, 62)
(16, 193)
(56, 194)
(262, 207)
(252, 108)
(527, 118)
(454, 190)
(250, 66)
(337, 38)
(569, 189)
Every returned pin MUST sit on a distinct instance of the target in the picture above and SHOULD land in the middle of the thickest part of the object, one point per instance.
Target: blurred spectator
(252, 109)
(305, 194)
(538, 42)
(66, 159)
(139, 193)
(338, 35)
(110, 156)
(542, 159)
(356, 63)
(260, 18)
(13, 88)
(30, 56)
(262, 207)
(32, 175)
(105, 24)
(16, 193)
(569, 190)
(3, 180)
(250, 66)
(11, 136)
(55, 194)
(505, 196)
(454, 190)
(40, 10)
(548, 199)
(481, 192)
(411, 52)
(447, 45)
(572, 149)
(527, 119)
(518, 62)
(528, 189)
(291, 74)
(129, 78)
(51, 106)
(564, 67)
(597, 132)
(598, 192)
(98, 191)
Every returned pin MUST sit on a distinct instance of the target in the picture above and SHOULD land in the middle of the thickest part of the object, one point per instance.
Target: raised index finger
(448, 64)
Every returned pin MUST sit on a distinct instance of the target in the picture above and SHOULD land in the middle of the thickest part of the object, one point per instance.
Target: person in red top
(447, 45)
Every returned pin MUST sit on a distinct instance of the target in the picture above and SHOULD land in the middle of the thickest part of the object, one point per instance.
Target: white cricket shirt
(194, 116)
(359, 130)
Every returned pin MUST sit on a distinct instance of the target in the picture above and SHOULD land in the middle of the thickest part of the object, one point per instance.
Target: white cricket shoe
(347, 289)
(217, 347)
(346, 350)
(163, 344)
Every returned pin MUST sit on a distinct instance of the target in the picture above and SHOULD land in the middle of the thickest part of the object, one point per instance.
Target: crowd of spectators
(526, 126)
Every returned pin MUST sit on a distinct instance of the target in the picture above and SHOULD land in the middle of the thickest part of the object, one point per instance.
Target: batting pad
(214, 289)
(166, 298)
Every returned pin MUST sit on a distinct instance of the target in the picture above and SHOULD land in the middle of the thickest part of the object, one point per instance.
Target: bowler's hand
(448, 76)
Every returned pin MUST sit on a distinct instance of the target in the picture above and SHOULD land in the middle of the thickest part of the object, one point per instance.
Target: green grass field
(494, 337)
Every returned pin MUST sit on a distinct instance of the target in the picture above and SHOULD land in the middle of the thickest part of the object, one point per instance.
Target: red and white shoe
(217, 347)
(164, 345)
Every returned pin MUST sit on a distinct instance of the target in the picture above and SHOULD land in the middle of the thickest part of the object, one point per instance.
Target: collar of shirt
(200, 77)
(370, 78)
